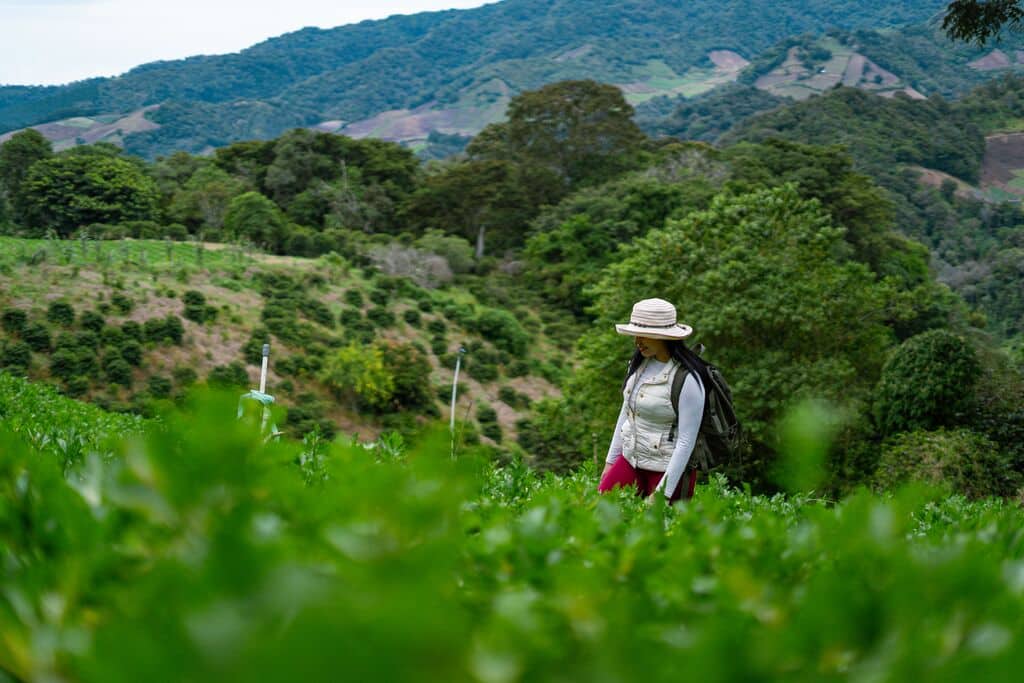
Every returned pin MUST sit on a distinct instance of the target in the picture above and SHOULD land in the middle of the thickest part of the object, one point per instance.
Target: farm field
(183, 548)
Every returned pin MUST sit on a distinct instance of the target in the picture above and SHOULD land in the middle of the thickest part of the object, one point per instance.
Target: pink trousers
(624, 474)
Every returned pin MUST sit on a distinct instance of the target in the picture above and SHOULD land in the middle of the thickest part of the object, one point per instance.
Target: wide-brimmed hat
(655, 319)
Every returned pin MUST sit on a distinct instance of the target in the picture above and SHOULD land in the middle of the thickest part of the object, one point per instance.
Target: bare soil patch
(727, 60)
(1004, 155)
(997, 59)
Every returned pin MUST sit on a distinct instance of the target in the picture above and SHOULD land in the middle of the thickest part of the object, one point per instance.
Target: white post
(455, 385)
(263, 385)
(263, 370)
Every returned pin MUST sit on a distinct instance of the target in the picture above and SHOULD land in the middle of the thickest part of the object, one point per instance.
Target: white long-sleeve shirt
(691, 410)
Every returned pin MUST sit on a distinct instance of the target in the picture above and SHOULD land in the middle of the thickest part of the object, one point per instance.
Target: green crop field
(121, 253)
(184, 548)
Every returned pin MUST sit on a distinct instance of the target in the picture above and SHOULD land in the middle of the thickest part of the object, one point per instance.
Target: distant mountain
(449, 72)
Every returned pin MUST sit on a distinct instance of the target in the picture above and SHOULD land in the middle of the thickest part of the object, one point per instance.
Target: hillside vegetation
(463, 66)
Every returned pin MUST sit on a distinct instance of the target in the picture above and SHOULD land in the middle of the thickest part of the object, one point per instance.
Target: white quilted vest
(648, 425)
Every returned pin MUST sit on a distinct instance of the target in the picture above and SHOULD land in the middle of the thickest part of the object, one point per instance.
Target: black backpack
(721, 439)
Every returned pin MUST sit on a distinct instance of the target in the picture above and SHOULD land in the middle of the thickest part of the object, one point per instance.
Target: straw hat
(655, 319)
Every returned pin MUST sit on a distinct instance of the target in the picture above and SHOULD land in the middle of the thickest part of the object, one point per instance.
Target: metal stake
(455, 385)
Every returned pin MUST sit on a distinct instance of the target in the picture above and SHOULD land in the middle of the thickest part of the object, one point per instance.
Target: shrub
(492, 430)
(381, 316)
(926, 383)
(439, 346)
(518, 368)
(485, 414)
(92, 320)
(16, 356)
(437, 326)
(318, 312)
(480, 369)
(122, 303)
(76, 386)
(133, 330)
(513, 398)
(501, 329)
(412, 317)
(159, 387)
(117, 370)
(252, 350)
(131, 352)
(232, 375)
(353, 297)
(13, 320)
(64, 364)
(350, 316)
(358, 374)
(61, 313)
(196, 309)
(194, 298)
(37, 337)
(410, 373)
(960, 460)
(112, 336)
(86, 340)
(184, 376)
(425, 305)
(381, 297)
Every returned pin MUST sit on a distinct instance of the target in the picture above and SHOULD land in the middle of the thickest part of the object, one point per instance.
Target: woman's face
(652, 347)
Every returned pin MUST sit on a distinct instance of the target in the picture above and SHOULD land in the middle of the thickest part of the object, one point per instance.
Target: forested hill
(460, 66)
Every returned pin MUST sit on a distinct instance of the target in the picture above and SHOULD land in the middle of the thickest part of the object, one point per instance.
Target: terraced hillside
(128, 323)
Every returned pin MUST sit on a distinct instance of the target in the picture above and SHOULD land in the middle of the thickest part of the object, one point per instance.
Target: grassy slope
(156, 274)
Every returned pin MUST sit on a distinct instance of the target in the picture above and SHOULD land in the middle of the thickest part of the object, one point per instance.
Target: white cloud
(57, 41)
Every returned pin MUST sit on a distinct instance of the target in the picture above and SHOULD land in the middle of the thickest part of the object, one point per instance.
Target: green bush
(437, 327)
(960, 460)
(37, 336)
(425, 305)
(381, 316)
(194, 298)
(485, 414)
(439, 346)
(230, 376)
(64, 363)
(410, 373)
(117, 370)
(357, 374)
(92, 320)
(76, 386)
(513, 398)
(380, 297)
(318, 312)
(158, 386)
(501, 329)
(412, 317)
(492, 430)
(133, 330)
(927, 383)
(16, 356)
(518, 368)
(112, 336)
(13, 320)
(122, 303)
(252, 349)
(184, 376)
(131, 351)
(353, 297)
(480, 369)
(61, 313)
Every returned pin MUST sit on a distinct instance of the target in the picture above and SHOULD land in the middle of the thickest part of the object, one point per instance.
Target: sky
(50, 42)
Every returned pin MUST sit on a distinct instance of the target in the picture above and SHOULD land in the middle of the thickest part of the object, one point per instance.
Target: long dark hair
(683, 355)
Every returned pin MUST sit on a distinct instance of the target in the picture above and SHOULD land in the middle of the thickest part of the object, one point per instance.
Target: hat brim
(674, 332)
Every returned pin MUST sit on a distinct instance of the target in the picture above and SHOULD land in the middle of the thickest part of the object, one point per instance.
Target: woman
(652, 444)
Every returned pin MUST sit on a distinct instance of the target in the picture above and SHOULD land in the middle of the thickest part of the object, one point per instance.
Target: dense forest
(807, 267)
(440, 59)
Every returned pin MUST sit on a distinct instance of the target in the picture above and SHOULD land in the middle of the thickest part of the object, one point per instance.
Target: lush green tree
(758, 277)
(927, 383)
(17, 156)
(980, 20)
(202, 201)
(482, 201)
(251, 216)
(572, 242)
(581, 131)
(68, 191)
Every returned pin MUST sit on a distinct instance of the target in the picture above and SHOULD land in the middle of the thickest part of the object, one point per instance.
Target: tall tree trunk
(480, 241)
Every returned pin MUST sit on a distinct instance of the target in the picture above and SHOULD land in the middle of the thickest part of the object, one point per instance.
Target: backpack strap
(677, 387)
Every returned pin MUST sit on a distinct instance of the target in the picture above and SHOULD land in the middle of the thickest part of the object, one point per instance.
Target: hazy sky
(58, 41)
